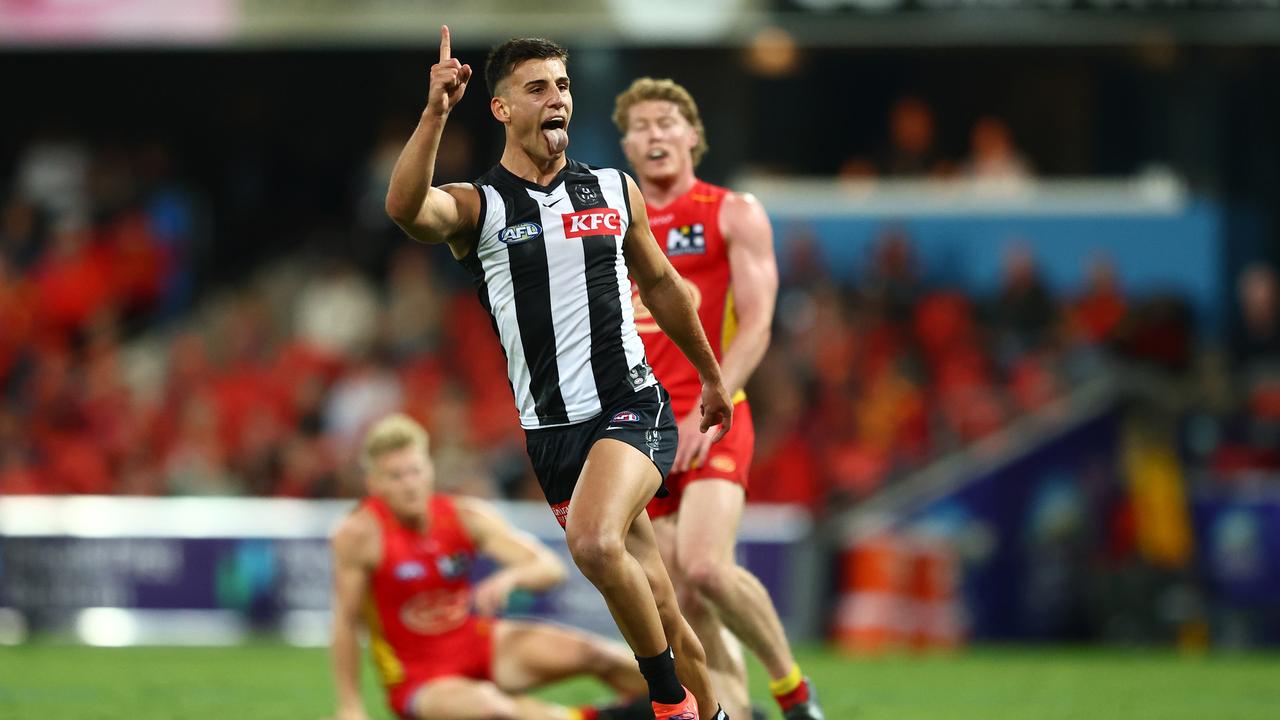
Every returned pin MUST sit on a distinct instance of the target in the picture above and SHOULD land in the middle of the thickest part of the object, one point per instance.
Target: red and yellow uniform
(419, 605)
(688, 231)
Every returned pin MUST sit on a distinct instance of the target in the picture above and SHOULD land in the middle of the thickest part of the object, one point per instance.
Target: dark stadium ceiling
(267, 24)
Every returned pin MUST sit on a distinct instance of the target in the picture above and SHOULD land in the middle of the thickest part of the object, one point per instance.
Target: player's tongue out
(556, 136)
(557, 140)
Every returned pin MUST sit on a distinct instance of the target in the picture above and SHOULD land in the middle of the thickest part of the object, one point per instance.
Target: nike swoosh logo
(552, 203)
(615, 427)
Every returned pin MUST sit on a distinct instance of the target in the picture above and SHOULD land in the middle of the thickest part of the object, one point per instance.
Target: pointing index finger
(444, 44)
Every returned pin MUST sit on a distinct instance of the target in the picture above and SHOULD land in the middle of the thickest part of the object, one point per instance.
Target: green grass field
(54, 682)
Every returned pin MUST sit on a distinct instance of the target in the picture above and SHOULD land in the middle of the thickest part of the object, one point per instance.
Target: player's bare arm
(450, 213)
(753, 277)
(662, 291)
(523, 562)
(356, 548)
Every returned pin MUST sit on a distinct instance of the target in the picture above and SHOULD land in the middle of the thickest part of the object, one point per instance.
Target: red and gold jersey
(419, 605)
(688, 231)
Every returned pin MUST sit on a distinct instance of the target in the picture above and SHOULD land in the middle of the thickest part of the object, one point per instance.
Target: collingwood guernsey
(549, 269)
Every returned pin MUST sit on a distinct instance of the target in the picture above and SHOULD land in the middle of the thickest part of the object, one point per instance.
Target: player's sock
(720, 714)
(586, 712)
(638, 709)
(791, 689)
(660, 672)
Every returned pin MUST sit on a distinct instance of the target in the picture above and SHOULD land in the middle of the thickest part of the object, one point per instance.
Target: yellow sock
(788, 682)
(574, 714)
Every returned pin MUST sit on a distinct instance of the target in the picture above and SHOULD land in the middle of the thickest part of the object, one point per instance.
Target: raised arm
(354, 557)
(663, 292)
(450, 213)
(523, 562)
(753, 275)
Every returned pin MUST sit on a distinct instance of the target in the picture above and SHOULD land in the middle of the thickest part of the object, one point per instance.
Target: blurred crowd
(912, 148)
(123, 373)
(1236, 432)
(865, 383)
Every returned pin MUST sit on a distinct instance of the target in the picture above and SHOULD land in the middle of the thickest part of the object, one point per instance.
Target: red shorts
(729, 459)
(472, 660)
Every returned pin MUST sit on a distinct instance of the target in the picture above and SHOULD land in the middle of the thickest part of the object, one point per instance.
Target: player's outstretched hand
(493, 592)
(695, 443)
(449, 79)
(717, 409)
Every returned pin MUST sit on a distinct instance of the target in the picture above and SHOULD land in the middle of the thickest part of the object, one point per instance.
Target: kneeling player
(401, 563)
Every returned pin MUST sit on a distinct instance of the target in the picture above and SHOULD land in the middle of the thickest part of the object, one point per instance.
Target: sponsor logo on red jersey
(436, 611)
(600, 221)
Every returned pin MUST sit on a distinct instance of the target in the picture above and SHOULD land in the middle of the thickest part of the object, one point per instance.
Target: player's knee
(598, 658)
(691, 602)
(594, 552)
(707, 577)
(496, 705)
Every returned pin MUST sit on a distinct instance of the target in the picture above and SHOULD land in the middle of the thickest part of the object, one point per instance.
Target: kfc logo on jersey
(601, 221)
(517, 234)
(686, 240)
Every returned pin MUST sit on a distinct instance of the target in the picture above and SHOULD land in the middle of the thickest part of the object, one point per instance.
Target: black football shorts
(643, 420)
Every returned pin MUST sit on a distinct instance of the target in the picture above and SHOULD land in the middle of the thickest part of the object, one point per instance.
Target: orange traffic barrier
(934, 590)
(871, 617)
(898, 593)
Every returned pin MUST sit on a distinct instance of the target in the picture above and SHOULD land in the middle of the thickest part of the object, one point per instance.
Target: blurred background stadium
(1024, 386)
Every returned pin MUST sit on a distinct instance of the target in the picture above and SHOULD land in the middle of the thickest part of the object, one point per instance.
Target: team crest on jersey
(410, 570)
(686, 240)
(453, 566)
(639, 374)
(523, 232)
(653, 438)
(586, 194)
(625, 416)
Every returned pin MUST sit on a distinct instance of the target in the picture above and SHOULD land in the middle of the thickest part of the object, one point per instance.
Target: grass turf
(266, 681)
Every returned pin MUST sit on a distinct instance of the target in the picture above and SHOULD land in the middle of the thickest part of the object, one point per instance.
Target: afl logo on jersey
(625, 416)
(410, 570)
(516, 234)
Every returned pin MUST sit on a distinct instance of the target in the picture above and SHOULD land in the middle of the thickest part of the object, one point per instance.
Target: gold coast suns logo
(644, 319)
(436, 611)
(686, 240)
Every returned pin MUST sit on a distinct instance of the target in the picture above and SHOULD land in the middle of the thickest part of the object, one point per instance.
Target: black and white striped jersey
(549, 269)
